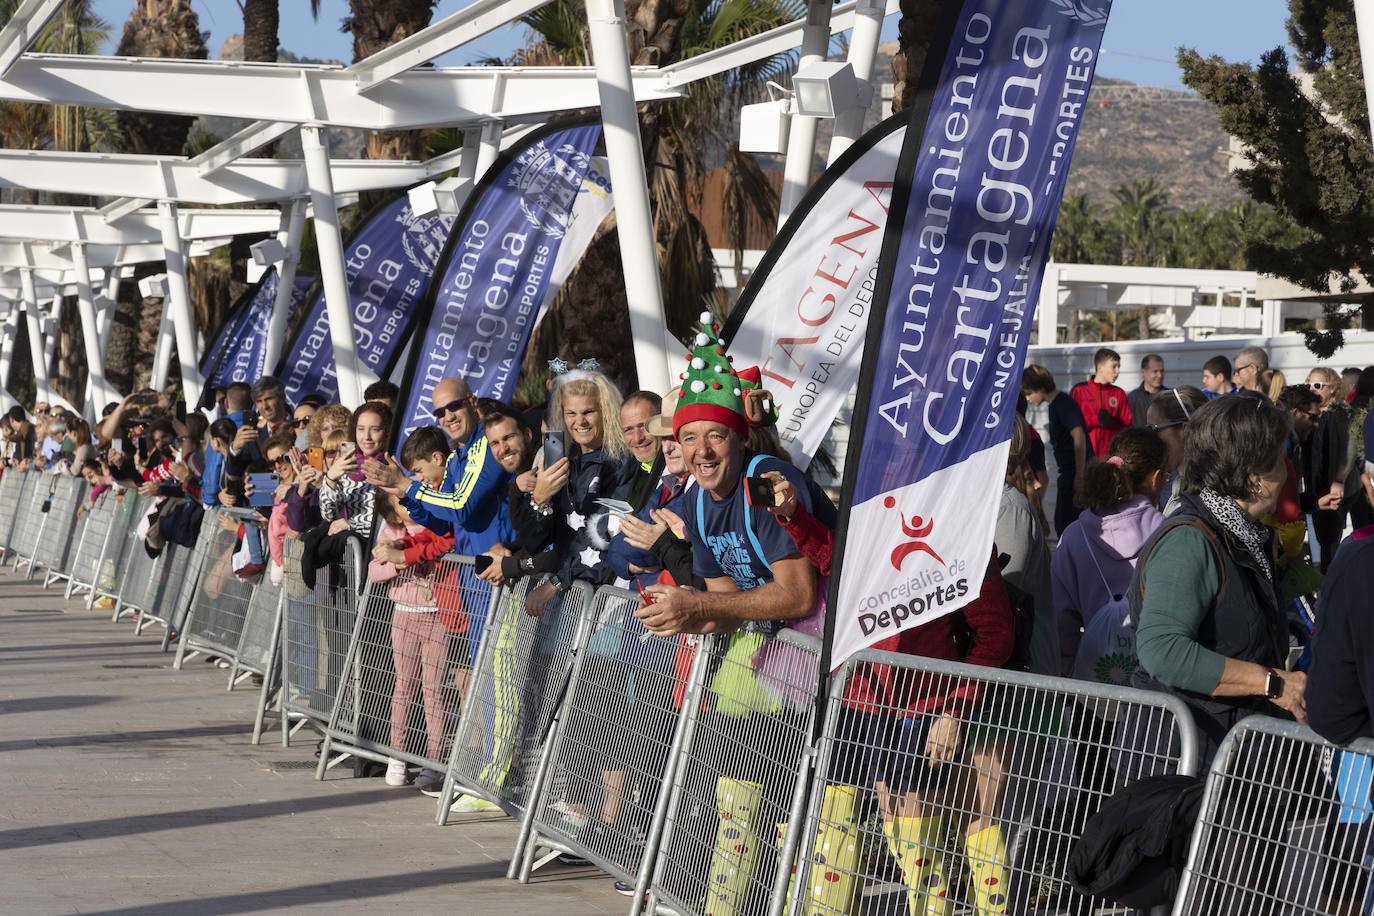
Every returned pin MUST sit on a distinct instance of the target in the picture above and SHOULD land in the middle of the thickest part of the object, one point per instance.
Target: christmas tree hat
(710, 388)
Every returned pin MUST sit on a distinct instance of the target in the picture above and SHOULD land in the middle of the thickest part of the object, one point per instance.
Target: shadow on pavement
(163, 734)
(50, 703)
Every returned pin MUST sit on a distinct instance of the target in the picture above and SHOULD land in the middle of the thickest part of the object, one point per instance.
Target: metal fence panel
(409, 665)
(31, 516)
(219, 604)
(1287, 826)
(116, 564)
(518, 685)
(61, 528)
(942, 785)
(13, 487)
(258, 642)
(316, 629)
(734, 811)
(93, 545)
(612, 746)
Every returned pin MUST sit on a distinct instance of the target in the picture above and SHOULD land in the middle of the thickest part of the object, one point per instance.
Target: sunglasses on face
(451, 407)
(282, 460)
(1317, 386)
(300, 422)
(1156, 427)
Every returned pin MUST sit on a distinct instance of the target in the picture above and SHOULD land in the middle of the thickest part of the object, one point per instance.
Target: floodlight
(763, 127)
(825, 88)
(430, 198)
(253, 271)
(154, 287)
(267, 252)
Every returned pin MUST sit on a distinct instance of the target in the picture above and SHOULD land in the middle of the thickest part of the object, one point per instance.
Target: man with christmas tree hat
(756, 581)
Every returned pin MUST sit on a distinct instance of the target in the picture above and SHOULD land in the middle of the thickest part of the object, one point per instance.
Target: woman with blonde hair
(588, 390)
(1272, 382)
(1329, 461)
(324, 421)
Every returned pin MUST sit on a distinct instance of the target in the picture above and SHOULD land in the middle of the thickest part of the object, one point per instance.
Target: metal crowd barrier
(409, 665)
(259, 646)
(135, 567)
(30, 522)
(218, 604)
(518, 686)
(148, 586)
(317, 626)
(13, 485)
(93, 547)
(722, 831)
(937, 781)
(613, 743)
(123, 540)
(1287, 826)
(61, 529)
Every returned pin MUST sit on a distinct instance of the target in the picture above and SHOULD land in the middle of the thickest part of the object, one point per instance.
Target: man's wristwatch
(1273, 685)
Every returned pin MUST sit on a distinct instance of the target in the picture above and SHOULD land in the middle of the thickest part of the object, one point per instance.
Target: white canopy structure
(385, 92)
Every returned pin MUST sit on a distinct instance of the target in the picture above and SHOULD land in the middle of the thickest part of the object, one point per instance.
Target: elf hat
(758, 413)
(710, 388)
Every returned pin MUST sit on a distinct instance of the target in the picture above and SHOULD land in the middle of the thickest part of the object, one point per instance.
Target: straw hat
(661, 426)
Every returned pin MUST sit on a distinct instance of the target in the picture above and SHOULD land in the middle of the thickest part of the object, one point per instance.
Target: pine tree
(1310, 156)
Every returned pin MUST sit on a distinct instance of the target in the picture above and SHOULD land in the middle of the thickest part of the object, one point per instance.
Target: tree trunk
(261, 20)
(159, 28)
(378, 24)
(913, 40)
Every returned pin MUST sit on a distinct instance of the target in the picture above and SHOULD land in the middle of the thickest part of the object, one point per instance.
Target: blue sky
(1140, 43)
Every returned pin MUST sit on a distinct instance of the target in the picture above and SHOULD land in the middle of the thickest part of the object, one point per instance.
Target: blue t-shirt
(731, 538)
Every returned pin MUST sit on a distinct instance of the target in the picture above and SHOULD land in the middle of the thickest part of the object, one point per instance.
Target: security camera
(268, 252)
(154, 287)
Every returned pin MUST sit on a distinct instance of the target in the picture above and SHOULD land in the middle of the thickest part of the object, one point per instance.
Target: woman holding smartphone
(346, 499)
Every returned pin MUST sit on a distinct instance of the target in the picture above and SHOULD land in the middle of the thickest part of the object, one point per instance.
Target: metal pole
(90, 335)
(638, 257)
(801, 139)
(337, 301)
(35, 323)
(104, 322)
(863, 50)
(8, 334)
(1047, 310)
(179, 298)
(50, 337)
(293, 226)
(162, 356)
(1364, 27)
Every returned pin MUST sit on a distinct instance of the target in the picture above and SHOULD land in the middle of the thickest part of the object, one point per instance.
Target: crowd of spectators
(1184, 552)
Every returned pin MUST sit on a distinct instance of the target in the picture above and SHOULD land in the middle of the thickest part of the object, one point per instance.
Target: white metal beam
(13, 254)
(237, 145)
(87, 224)
(152, 178)
(310, 94)
(467, 24)
(23, 29)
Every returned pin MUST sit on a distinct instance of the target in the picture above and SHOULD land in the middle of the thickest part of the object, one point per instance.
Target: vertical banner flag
(979, 182)
(802, 317)
(239, 353)
(501, 263)
(389, 262)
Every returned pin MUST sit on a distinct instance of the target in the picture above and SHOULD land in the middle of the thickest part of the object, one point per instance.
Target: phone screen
(264, 488)
(760, 491)
(481, 562)
(553, 447)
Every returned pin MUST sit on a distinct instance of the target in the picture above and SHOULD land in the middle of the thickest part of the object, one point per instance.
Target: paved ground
(127, 787)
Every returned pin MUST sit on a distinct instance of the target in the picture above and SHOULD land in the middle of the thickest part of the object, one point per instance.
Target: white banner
(802, 316)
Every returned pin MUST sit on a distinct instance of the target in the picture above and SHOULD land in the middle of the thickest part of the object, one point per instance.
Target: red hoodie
(1105, 412)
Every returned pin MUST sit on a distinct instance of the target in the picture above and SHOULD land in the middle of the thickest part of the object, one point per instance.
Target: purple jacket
(1082, 586)
(303, 512)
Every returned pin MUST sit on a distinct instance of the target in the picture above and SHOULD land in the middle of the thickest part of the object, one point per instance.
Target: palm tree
(159, 28)
(683, 141)
(914, 28)
(378, 24)
(1139, 206)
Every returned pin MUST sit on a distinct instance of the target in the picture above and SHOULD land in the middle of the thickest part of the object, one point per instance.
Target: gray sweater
(1021, 537)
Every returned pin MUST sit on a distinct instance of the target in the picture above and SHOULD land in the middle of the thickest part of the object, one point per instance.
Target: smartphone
(264, 488)
(760, 491)
(315, 458)
(553, 447)
(482, 562)
(250, 417)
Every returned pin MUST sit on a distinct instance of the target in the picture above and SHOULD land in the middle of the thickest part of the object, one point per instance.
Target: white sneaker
(395, 772)
(467, 804)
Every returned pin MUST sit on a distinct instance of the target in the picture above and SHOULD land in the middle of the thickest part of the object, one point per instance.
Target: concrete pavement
(127, 787)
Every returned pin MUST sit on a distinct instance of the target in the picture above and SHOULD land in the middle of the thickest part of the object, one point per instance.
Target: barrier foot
(237, 677)
(260, 717)
(325, 763)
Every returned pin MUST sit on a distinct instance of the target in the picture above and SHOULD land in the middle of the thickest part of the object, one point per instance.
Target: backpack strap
(1212, 543)
(748, 516)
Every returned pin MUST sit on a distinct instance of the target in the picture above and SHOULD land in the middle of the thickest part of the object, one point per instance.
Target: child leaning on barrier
(903, 732)
(419, 637)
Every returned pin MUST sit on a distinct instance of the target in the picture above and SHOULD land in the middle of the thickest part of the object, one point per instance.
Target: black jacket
(1340, 682)
(1133, 850)
(578, 528)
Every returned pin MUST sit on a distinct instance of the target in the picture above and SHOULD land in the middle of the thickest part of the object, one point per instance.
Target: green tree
(1310, 156)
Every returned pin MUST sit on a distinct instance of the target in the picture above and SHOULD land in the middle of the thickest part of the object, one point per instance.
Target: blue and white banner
(239, 353)
(389, 262)
(515, 242)
(978, 188)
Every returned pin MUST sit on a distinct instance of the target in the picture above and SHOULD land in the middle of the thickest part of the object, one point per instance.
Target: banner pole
(801, 137)
(293, 226)
(177, 305)
(338, 303)
(634, 221)
(85, 297)
(35, 323)
(863, 51)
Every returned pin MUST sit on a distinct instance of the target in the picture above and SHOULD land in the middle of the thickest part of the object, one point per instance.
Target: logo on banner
(1082, 12)
(423, 240)
(548, 181)
(917, 530)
